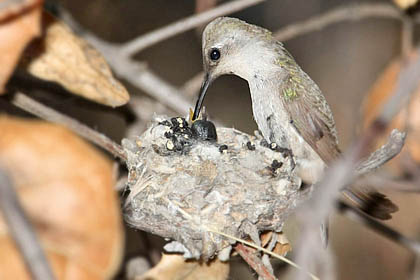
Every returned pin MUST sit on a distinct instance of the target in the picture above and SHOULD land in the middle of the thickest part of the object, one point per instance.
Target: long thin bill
(201, 96)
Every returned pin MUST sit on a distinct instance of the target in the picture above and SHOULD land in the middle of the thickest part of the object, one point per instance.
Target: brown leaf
(405, 4)
(282, 246)
(62, 57)
(175, 267)
(409, 117)
(66, 187)
(19, 23)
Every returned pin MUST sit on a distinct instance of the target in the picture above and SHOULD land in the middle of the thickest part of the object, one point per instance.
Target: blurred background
(344, 59)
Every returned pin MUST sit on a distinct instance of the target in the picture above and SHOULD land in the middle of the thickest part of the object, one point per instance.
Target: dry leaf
(62, 57)
(282, 246)
(19, 23)
(409, 117)
(175, 267)
(66, 187)
(405, 4)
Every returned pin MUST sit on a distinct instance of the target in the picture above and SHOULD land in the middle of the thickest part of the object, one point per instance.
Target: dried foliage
(407, 119)
(405, 4)
(66, 187)
(278, 241)
(175, 267)
(62, 57)
(19, 23)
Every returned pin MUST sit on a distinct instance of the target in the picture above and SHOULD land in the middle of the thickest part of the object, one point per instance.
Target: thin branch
(253, 261)
(22, 231)
(138, 74)
(341, 173)
(34, 107)
(382, 182)
(343, 170)
(121, 183)
(175, 28)
(352, 12)
(379, 227)
(191, 86)
(384, 154)
(407, 83)
(407, 32)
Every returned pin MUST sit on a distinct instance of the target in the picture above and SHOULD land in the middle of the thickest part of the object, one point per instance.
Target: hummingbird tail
(372, 203)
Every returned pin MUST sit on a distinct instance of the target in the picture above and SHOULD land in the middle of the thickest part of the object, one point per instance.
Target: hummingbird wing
(310, 114)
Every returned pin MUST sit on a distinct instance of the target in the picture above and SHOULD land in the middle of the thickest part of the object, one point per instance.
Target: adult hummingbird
(288, 107)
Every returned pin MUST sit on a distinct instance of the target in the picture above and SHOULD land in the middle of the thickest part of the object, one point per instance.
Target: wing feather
(310, 115)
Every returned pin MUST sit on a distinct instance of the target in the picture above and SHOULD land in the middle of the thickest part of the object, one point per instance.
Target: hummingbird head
(232, 46)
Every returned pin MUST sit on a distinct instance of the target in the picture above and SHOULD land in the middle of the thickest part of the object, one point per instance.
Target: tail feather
(372, 203)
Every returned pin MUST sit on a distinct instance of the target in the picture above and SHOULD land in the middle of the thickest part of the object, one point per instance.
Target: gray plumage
(288, 107)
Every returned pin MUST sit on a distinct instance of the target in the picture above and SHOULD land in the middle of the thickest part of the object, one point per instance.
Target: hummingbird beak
(207, 81)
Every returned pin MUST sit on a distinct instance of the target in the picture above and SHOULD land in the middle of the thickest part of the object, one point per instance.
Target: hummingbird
(288, 106)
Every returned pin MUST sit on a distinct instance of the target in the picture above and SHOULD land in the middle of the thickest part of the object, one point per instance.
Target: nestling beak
(207, 81)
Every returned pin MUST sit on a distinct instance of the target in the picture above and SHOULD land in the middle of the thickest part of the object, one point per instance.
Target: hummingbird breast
(275, 125)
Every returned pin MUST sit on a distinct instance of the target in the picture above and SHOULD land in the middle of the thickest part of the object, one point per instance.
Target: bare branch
(34, 107)
(353, 12)
(22, 232)
(254, 262)
(384, 154)
(407, 32)
(343, 170)
(407, 83)
(382, 182)
(139, 75)
(379, 227)
(175, 28)
(191, 87)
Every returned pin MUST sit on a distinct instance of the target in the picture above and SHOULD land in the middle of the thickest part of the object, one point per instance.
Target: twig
(191, 87)
(121, 183)
(13, 8)
(262, 249)
(343, 171)
(22, 232)
(407, 37)
(352, 12)
(379, 227)
(34, 107)
(175, 28)
(138, 74)
(382, 182)
(254, 262)
(384, 154)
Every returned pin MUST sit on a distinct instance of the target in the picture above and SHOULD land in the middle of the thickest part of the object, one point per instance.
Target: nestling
(288, 107)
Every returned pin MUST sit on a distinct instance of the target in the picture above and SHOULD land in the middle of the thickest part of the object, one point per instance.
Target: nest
(185, 185)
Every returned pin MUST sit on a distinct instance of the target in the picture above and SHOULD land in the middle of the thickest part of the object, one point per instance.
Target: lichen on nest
(184, 185)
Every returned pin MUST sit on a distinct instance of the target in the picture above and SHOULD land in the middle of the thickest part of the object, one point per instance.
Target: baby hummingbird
(288, 107)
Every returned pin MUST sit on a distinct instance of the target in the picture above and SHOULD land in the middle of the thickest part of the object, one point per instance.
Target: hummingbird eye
(214, 54)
